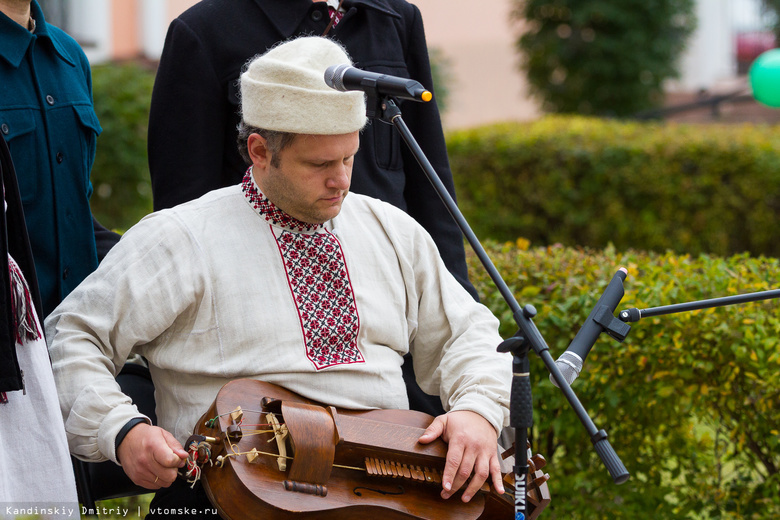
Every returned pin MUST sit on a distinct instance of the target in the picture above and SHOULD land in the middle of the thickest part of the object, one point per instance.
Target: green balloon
(764, 77)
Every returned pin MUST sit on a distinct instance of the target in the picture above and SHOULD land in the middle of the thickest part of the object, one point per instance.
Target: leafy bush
(120, 177)
(771, 10)
(600, 56)
(691, 401)
(648, 186)
(443, 77)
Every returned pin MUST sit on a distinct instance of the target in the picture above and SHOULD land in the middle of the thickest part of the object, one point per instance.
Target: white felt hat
(285, 90)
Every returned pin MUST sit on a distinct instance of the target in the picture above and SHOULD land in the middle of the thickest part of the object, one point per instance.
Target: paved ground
(739, 109)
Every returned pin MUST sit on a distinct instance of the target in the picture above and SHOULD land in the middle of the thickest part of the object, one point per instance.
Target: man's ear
(258, 151)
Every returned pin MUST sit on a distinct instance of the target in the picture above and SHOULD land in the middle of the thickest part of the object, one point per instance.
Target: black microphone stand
(528, 336)
(630, 315)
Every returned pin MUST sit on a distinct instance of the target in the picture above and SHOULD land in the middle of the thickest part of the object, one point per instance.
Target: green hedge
(647, 186)
(691, 401)
(120, 177)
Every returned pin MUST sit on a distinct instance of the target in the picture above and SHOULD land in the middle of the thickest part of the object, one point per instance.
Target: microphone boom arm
(635, 314)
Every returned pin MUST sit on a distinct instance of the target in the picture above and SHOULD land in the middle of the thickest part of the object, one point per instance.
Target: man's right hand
(150, 456)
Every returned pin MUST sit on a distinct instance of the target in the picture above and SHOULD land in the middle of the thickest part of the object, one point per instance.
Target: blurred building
(474, 39)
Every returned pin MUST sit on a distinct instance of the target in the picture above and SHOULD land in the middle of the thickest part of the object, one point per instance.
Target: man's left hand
(472, 448)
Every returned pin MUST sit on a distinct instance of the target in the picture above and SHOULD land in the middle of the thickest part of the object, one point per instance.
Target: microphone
(600, 318)
(345, 77)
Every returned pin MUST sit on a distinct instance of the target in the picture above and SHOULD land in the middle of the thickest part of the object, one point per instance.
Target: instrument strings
(373, 466)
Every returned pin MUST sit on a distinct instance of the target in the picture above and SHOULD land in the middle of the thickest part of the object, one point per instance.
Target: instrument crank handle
(610, 459)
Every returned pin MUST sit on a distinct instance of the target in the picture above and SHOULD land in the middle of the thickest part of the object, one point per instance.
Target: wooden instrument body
(243, 490)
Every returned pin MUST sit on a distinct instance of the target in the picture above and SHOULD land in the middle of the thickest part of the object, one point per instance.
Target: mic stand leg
(520, 415)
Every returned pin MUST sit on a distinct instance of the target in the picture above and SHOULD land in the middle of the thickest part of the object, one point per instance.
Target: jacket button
(60, 157)
(316, 15)
(65, 273)
(5, 129)
(50, 99)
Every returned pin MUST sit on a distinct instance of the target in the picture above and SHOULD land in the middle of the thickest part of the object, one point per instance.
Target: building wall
(90, 23)
(125, 36)
(710, 57)
(478, 40)
(154, 20)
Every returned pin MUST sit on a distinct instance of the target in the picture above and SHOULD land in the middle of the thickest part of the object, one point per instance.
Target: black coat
(194, 112)
(13, 235)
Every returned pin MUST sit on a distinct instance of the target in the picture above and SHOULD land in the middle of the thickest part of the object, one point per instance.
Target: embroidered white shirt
(211, 291)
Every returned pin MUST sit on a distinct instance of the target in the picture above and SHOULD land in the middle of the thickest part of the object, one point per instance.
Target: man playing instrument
(285, 279)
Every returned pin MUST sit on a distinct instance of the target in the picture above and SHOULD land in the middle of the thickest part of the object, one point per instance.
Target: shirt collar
(15, 39)
(287, 15)
(268, 210)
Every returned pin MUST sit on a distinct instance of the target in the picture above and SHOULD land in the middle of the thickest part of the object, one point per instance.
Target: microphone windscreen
(570, 365)
(334, 76)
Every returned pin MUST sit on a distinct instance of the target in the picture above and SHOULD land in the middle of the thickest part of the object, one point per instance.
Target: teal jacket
(47, 118)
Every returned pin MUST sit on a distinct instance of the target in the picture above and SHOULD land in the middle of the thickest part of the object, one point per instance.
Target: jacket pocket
(387, 141)
(88, 118)
(90, 129)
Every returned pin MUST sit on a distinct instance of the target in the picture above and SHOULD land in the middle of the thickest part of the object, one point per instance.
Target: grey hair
(275, 142)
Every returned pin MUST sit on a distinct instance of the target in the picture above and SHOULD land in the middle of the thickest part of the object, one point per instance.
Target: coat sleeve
(424, 121)
(105, 239)
(186, 121)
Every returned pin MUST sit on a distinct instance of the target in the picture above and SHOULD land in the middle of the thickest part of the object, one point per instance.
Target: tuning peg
(538, 481)
(539, 461)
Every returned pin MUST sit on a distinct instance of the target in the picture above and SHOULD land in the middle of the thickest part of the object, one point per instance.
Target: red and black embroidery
(320, 285)
(22, 307)
(318, 280)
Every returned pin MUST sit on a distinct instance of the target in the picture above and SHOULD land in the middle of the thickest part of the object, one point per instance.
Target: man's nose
(339, 177)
